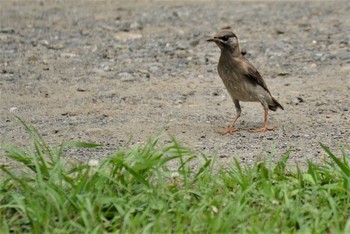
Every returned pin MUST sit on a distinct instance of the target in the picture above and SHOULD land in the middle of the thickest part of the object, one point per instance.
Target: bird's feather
(252, 74)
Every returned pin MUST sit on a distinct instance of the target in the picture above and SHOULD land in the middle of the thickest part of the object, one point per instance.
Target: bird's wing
(253, 75)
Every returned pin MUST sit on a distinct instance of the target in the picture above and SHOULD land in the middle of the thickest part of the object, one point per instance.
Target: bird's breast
(235, 82)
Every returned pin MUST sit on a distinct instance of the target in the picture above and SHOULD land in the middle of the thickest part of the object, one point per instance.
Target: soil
(118, 73)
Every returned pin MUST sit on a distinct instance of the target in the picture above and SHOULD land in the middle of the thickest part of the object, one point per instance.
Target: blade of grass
(343, 166)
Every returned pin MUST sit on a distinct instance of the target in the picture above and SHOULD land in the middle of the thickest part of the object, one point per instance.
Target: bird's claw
(230, 131)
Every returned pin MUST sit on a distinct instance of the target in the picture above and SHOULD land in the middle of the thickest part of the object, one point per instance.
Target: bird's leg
(266, 127)
(232, 129)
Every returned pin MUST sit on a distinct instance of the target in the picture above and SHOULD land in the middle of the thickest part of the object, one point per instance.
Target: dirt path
(103, 71)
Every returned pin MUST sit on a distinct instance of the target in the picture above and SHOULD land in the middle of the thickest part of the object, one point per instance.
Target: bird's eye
(224, 38)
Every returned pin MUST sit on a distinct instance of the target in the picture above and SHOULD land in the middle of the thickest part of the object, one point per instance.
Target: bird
(241, 79)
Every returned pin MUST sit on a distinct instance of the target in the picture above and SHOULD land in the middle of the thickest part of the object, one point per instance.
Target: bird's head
(226, 40)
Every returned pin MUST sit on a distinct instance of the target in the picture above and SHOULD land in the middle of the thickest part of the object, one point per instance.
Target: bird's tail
(275, 105)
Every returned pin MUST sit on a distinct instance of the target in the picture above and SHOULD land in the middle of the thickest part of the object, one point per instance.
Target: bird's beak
(213, 39)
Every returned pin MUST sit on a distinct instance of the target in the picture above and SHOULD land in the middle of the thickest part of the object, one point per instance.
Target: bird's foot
(230, 130)
(263, 129)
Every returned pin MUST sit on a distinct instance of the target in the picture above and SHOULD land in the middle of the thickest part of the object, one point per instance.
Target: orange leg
(231, 129)
(266, 127)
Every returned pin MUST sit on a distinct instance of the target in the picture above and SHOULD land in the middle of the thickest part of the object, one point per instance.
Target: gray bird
(241, 79)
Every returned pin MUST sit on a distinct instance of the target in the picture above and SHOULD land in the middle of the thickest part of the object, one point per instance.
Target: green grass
(152, 188)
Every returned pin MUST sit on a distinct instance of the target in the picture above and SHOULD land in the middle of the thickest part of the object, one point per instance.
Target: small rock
(283, 74)
(67, 55)
(7, 30)
(135, 26)
(297, 100)
(154, 69)
(32, 58)
(107, 68)
(313, 65)
(44, 42)
(94, 131)
(81, 89)
(13, 109)
(280, 31)
(194, 43)
(58, 46)
(93, 163)
(124, 36)
(69, 113)
(84, 32)
(126, 77)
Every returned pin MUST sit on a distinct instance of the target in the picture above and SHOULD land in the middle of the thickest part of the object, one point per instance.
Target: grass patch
(153, 189)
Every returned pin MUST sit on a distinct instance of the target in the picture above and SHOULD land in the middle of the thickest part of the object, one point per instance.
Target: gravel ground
(109, 71)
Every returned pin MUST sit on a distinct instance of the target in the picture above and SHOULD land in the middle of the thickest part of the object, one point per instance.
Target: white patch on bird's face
(227, 41)
(233, 41)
